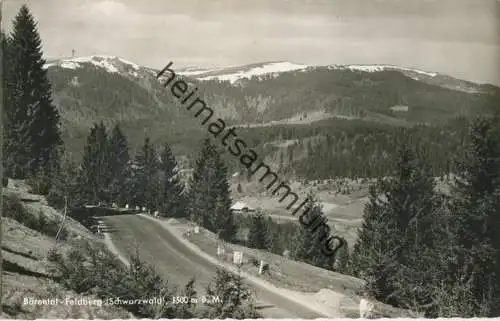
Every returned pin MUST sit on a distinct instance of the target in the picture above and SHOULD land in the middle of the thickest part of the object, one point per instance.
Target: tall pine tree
(341, 262)
(476, 207)
(172, 200)
(258, 235)
(118, 166)
(223, 219)
(209, 195)
(33, 121)
(146, 180)
(93, 176)
(187, 310)
(372, 251)
(7, 110)
(200, 204)
(236, 299)
(64, 186)
(308, 240)
(395, 225)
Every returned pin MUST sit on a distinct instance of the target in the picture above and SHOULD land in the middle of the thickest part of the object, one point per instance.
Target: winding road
(174, 260)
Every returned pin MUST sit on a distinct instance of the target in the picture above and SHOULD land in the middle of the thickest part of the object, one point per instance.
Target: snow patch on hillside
(375, 68)
(109, 63)
(236, 73)
(270, 68)
(69, 65)
(99, 61)
(194, 71)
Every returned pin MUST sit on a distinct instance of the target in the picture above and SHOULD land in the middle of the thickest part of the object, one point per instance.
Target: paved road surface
(177, 263)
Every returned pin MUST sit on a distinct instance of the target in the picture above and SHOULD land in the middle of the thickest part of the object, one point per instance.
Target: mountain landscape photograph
(366, 181)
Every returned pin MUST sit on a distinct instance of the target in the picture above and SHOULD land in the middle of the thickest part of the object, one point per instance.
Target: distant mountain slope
(88, 89)
(235, 73)
(113, 90)
(431, 78)
(347, 92)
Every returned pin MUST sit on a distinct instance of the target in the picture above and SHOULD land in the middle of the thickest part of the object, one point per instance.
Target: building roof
(238, 206)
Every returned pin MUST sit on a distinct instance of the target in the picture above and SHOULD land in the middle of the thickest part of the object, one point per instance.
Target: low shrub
(14, 209)
(91, 270)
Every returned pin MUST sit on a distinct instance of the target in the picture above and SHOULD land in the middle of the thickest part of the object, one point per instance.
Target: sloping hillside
(89, 89)
(113, 91)
(346, 92)
(27, 273)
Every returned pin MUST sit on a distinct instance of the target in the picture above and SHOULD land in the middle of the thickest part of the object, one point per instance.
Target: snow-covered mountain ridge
(89, 89)
(376, 68)
(112, 64)
(235, 74)
(115, 64)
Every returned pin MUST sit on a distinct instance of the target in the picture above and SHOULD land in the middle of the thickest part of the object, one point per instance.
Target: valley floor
(343, 211)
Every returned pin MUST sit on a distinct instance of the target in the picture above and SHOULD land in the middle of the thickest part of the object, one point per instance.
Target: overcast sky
(456, 37)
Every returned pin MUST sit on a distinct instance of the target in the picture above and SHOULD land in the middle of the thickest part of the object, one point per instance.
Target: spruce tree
(118, 166)
(16, 133)
(33, 120)
(223, 219)
(7, 110)
(201, 206)
(147, 179)
(476, 207)
(64, 186)
(187, 311)
(397, 226)
(209, 195)
(341, 262)
(93, 176)
(258, 236)
(235, 297)
(309, 239)
(373, 258)
(172, 200)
